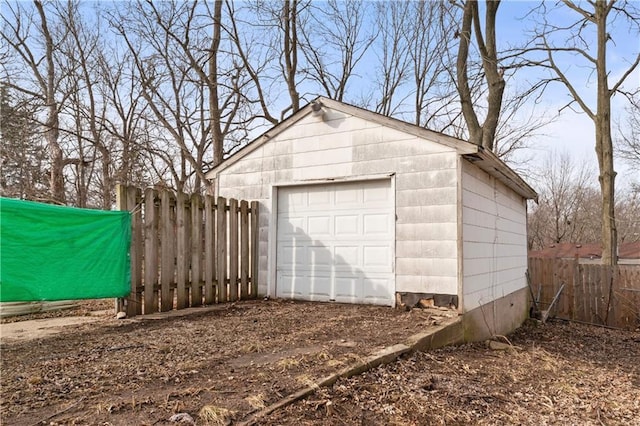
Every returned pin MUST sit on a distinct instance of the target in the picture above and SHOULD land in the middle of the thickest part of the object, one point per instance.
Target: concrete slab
(35, 329)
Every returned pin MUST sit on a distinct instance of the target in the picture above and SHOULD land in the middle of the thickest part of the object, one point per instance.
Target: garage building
(357, 207)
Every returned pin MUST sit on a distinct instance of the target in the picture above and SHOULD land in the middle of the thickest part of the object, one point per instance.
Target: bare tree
(30, 36)
(334, 43)
(565, 211)
(267, 39)
(558, 40)
(22, 155)
(628, 215)
(193, 96)
(393, 57)
(428, 38)
(629, 131)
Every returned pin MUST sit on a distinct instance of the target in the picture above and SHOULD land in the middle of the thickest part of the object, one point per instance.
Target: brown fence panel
(196, 250)
(255, 250)
(244, 249)
(188, 250)
(593, 293)
(183, 234)
(167, 240)
(150, 225)
(233, 250)
(626, 293)
(221, 249)
(209, 250)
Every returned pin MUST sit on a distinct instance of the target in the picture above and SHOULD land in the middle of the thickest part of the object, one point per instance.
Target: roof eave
(490, 163)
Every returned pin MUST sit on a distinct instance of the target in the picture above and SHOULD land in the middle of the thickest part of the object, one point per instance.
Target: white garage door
(335, 242)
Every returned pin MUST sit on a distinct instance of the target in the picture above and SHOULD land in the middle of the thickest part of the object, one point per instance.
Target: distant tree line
(568, 210)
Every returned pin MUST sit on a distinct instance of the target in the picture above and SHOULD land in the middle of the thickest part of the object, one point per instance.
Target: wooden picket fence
(593, 293)
(188, 250)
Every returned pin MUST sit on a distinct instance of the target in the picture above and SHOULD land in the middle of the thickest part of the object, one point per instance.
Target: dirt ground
(236, 357)
(555, 374)
(218, 366)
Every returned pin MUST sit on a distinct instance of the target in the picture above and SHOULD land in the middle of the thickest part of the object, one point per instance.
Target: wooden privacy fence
(188, 250)
(593, 293)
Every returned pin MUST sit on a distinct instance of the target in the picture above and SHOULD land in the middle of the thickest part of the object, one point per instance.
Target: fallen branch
(58, 413)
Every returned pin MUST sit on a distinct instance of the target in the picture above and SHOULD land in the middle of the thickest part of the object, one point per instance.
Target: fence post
(129, 199)
(182, 244)
(233, 250)
(167, 239)
(121, 204)
(244, 249)
(150, 251)
(221, 251)
(255, 238)
(196, 250)
(209, 250)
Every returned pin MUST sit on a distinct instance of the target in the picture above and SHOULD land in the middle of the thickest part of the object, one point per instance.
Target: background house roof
(585, 251)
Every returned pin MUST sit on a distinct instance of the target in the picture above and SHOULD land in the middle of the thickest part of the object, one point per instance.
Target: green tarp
(52, 252)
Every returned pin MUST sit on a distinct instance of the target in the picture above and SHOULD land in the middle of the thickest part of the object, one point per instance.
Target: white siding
(344, 146)
(494, 247)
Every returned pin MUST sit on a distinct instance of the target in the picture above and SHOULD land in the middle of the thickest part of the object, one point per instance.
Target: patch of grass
(287, 363)
(256, 401)
(323, 356)
(215, 416)
(252, 348)
(305, 380)
(35, 380)
(335, 363)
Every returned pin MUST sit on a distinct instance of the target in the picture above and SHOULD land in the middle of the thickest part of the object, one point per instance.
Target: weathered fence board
(209, 250)
(196, 250)
(255, 258)
(593, 293)
(166, 248)
(233, 249)
(244, 249)
(182, 242)
(150, 252)
(188, 251)
(221, 253)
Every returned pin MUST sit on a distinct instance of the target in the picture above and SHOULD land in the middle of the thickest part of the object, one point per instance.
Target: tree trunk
(473, 125)
(604, 145)
(290, 12)
(481, 134)
(52, 132)
(214, 109)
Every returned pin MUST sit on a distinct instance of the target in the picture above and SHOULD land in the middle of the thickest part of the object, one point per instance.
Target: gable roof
(486, 160)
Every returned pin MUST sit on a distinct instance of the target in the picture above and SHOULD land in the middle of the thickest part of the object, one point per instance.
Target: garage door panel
(290, 286)
(293, 256)
(292, 201)
(318, 198)
(320, 287)
(319, 257)
(346, 256)
(348, 289)
(376, 224)
(290, 227)
(376, 289)
(319, 225)
(377, 256)
(348, 197)
(379, 193)
(330, 241)
(346, 224)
